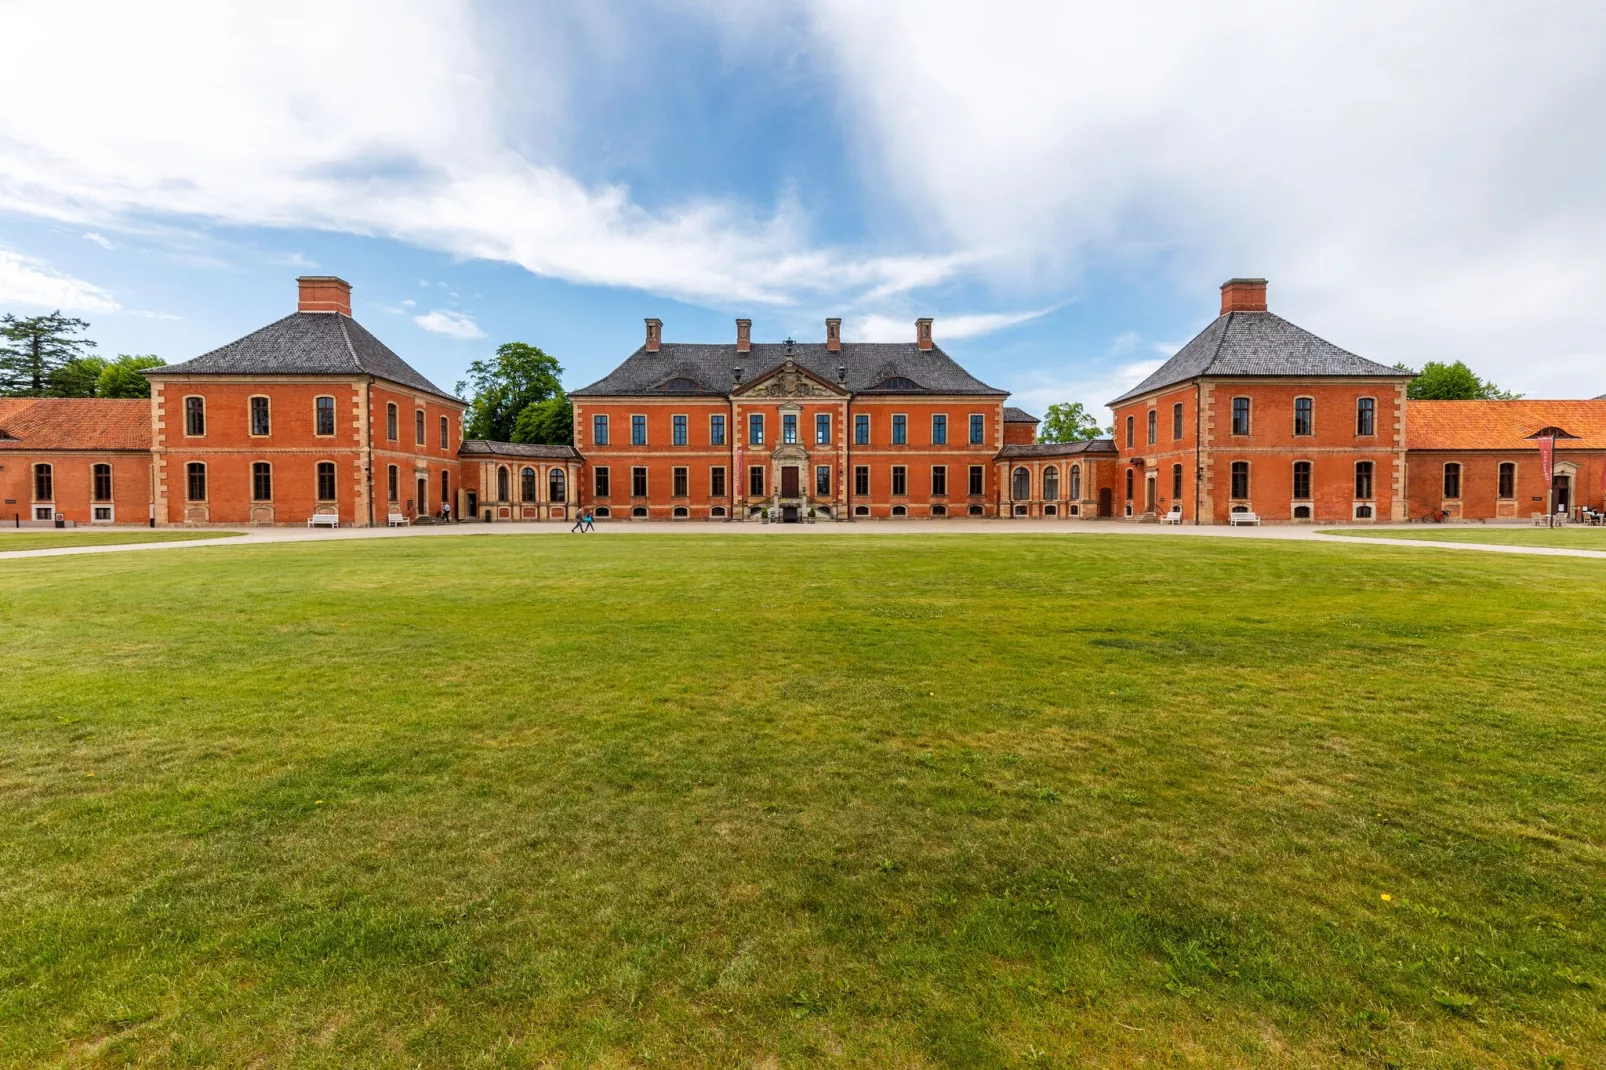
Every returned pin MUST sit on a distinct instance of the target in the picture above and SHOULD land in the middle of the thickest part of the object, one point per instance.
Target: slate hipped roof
(1257, 344)
(1059, 449)
(699, 369)
(1012, 415)
(484, 447)
(307, 343)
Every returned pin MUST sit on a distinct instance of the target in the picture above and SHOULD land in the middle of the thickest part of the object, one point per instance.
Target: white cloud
(100, 240)
(444, 321)
(1418, 180)
(33, 284)
(887, 329)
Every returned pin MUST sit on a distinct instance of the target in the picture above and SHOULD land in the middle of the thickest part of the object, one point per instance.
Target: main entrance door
(789, 481)
(1106, 506)
(1563, 486)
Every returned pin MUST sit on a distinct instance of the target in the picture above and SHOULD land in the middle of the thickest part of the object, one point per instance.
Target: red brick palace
(313, 415)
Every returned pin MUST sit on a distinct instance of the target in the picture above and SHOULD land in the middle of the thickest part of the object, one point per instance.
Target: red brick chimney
(655, 334)
(833, 335)
(324, 293)
(923, 332)
(744, 336)
(1243, 295)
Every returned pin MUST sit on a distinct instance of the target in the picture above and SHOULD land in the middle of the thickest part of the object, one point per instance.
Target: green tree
(1068, 422)
(546, 423)
(1438, 381)
(121, 378)
(500, 389)
(76, 379)
(32, 349)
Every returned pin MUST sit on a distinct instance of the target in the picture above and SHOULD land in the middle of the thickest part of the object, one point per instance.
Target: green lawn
(1572, 538)
(863, 801)
(31, 539)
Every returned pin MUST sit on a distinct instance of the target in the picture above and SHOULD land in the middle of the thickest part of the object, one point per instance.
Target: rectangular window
(716, 430)
(392, 427)
(1508, 480)
(900, 430)
(755, 429)
(789, 428)
(1176, 422)
(1176, 482)
(1240, 480)
(861, 480)
(445, 435)
(1131, 432)
(326, 481)
(1304, 416)
(939, 429)
(939, 481)
(900, 480)
(822, 481)
(1363, 480)
(195, 481)
(1365, 416)
(861, 429)
(1240, 416)
(261, 482)
(1153, 434)
(599, 479)
(194, 416)
(1452, 481)
(638, 430)
(716, 482)
(680, 489)
(822, 429)
(418, 427)
(978, 427)
(755, 481)
(101, 482)
(323, 422)
(44, 483)
(599, 430)
(1302, 480)
(975, 479)
(638, 482)
(678, 431)
(259, 416)
(394, 484)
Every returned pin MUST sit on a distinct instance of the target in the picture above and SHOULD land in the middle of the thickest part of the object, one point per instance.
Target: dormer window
(897, 382)
(682, 383)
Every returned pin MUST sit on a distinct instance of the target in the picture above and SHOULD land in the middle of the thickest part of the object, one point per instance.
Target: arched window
(1508, 480)
(1176, 482)
(554, 484)
(261, 481)
(1129, 481)
(418, 427)
(44, 483)
(446, 485)
(1076, 482)
(392, 431)
(1023, 484)
(102, 481)
(1051, 484)
(195, 481)
(326, 481)
(393, 483)
(1131, 423)
(445, 432)
(501, 483)
(1240, 479)
(1302, 480)
(1153, 436)
(1363, 480)
(527, 485)
(1452, 480)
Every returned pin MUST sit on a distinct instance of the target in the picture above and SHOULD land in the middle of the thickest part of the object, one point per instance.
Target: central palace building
(313, 415)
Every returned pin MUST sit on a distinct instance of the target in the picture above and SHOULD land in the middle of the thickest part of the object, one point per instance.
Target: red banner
(1547, 458)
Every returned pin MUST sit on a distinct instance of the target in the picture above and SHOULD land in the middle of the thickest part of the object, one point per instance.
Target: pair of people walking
(582, 523)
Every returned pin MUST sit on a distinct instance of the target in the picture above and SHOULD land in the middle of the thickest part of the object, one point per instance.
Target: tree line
(48, 357)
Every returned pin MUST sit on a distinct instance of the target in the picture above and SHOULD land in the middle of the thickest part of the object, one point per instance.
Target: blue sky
(1061, 186)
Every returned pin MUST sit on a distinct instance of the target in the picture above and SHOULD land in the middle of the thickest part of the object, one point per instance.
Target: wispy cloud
(31, 283)
(447, 322)
(100, 240)
(887, 329)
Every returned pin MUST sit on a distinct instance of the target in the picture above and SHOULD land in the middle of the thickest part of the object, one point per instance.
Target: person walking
(589, 525)
(579, 523)
(446, 511)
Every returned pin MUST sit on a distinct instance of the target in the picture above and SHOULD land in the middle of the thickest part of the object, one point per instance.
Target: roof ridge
(1221, 340)
(345, 336)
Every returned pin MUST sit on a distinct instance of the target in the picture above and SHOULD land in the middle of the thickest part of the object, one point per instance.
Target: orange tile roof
(1502, 425)
(74, 424)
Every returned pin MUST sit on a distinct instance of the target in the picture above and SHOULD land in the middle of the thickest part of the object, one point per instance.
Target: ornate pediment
(791, 381)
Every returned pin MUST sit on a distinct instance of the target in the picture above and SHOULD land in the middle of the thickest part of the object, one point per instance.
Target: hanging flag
(1547, 457)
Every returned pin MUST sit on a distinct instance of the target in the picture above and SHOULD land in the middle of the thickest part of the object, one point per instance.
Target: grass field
(866, 801)
(1573, 538)
(25, 539)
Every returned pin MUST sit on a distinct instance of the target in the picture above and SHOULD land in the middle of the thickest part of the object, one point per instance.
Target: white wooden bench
(1234, 519)
(323, 520)
(398, 520)
(1173, 517)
